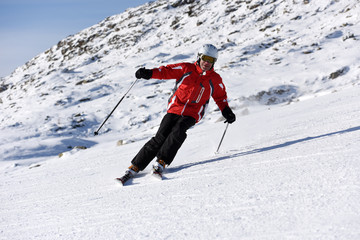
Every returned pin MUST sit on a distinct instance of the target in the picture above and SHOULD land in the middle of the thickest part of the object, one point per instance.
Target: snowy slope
(291, 172)
(288, 167)
(271, 52)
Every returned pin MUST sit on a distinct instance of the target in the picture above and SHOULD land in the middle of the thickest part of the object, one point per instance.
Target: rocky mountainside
(271, 52)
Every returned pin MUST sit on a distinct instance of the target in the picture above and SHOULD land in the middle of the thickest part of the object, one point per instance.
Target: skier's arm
(219, 94)
(220, 97)
(172, 71)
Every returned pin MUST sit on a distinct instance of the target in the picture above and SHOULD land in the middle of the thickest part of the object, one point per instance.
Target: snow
(288, 168)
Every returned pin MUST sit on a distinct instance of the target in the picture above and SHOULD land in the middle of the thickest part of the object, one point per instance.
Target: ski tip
(119, 180)
(157, 176)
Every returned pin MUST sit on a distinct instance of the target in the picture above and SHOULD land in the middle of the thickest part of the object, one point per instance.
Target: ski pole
(97, 131)
(222, 138)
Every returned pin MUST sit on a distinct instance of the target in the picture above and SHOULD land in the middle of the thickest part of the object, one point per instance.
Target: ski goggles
(208, 59)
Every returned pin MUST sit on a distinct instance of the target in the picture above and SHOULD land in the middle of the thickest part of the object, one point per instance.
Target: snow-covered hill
(271, 52)
(288, 167)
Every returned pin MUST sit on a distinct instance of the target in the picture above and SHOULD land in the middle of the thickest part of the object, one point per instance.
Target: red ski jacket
(193, 89)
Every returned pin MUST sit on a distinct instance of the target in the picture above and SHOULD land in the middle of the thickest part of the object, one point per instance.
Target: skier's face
(205, 66)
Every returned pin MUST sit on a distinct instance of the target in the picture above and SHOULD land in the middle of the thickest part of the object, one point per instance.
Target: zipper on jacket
(184, 107)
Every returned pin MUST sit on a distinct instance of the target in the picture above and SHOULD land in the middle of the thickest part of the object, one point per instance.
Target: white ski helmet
(208, 50)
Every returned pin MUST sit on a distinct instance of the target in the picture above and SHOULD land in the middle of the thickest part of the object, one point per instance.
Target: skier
(195, 84)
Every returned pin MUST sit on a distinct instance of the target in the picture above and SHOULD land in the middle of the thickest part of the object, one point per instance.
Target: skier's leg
(175, 139)
(151, 148)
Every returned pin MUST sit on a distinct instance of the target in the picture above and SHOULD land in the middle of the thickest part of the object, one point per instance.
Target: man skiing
(195, 84)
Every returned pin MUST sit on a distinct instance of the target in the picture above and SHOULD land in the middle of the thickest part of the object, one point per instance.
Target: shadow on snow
(260, 150)
(48, 150)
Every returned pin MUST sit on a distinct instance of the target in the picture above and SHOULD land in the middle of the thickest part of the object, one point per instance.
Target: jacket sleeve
(172, 71)
(219, 95)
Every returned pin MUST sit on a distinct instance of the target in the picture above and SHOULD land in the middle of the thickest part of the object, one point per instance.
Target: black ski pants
(167, 141)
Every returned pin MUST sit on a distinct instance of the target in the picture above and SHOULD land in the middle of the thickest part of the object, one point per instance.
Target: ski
(125, 179)
(157, 172)
(121, 180)
(157, 175)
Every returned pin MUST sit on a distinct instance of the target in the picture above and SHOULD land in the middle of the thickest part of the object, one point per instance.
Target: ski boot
(129, 174)
(158, 169)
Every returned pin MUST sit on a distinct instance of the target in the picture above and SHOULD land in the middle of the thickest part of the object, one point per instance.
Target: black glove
(143, 73)
(228, 115)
